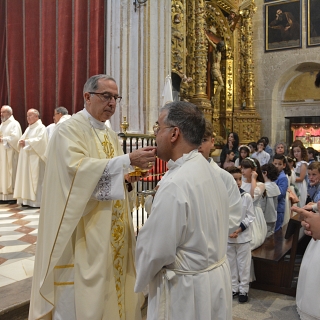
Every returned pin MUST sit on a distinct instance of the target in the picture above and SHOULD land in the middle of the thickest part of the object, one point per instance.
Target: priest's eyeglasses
(156, 128)
(106, 97)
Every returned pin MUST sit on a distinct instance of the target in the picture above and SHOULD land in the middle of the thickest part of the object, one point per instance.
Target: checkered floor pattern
(18, 236)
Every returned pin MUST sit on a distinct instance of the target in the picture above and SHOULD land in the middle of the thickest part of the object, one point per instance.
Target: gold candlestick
(124, 125)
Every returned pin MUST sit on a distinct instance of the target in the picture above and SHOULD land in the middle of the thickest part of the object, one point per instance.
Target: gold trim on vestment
(119, 224)
(63, 283)
(65, 207)
(64, 266)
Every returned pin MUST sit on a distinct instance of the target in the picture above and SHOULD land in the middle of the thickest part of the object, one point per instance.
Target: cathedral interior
(232, 58)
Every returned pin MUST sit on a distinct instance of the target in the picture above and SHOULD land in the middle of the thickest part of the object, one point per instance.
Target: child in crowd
(312, 154)
(269, 201)
(262, 156)
(299, 152)
(229, 159)
(254, 185)
(267, 148)
(244, 152)
(253, 147)
(283, 208)
(239, 251)
(291, 164)
(314, 181)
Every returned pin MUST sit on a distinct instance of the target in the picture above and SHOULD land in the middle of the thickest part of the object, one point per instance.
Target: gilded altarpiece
(212, 55)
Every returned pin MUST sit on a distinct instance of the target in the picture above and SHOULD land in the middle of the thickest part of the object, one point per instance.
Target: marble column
(138, 49)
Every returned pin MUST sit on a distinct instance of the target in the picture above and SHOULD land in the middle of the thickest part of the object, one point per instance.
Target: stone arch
(280, 107)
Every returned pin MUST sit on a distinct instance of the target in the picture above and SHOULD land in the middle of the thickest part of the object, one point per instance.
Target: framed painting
(313, 18)
(283, 25)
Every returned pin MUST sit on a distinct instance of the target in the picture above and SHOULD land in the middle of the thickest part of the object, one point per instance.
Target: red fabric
(52, 48)
(3, 82)
(305, 131)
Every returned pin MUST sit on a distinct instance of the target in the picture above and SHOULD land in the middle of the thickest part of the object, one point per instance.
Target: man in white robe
(84, 266)
(181, 249)
(60, 115)
(10, 133)
(32, 146)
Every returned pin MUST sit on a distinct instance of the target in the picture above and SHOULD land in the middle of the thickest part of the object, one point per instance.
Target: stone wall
(273, 72)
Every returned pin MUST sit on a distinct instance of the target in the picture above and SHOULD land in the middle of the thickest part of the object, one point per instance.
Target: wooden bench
(273, 268)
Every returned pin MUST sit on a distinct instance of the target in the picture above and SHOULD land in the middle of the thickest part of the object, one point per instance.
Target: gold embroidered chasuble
(85, 247)
(119, 227)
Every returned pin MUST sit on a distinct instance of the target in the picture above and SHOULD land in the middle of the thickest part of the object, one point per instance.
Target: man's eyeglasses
(156, 128)
(106, 97)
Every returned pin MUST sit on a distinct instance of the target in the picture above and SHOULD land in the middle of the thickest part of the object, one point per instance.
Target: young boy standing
(239, 251)
(314, 181)
(269, 201)
(262, 156)
(279, 161)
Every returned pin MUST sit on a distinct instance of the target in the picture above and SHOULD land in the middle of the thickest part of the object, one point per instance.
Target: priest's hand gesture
(143, 158)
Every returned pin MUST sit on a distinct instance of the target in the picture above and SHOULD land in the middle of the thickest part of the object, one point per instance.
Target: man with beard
(287, 24)
(10, 133)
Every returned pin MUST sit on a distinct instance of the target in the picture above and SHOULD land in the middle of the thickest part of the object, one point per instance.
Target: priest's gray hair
(92, 83)
(7, 108)
(188, 118)
(62, 110)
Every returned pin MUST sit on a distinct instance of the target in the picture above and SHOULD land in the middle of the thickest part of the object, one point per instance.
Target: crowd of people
(280, 181)
(194, 251)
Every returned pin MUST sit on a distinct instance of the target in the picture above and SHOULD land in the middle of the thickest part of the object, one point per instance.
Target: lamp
(138, 4)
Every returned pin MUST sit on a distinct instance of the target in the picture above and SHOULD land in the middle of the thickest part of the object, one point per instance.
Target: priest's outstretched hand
(143, 158)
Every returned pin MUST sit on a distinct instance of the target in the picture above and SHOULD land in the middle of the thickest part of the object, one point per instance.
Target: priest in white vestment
(10, 133)
(84, 265)
(30, 171)
(181, 249)
(60, 115)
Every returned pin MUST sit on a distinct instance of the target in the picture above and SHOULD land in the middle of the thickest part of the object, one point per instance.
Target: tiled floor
(18, 235)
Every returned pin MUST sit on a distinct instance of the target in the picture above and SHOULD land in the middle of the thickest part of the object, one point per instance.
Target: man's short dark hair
(188, 118)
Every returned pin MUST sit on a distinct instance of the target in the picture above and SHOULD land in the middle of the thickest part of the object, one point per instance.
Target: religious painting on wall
(313, 18)
(283, 25)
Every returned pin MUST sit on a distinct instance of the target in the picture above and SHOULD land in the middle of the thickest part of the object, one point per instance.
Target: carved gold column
(246, 121)
(249, 76)
(200, 54)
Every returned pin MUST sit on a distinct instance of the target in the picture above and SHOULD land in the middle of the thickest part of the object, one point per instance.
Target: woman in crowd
(232, 144)
(280, 148)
